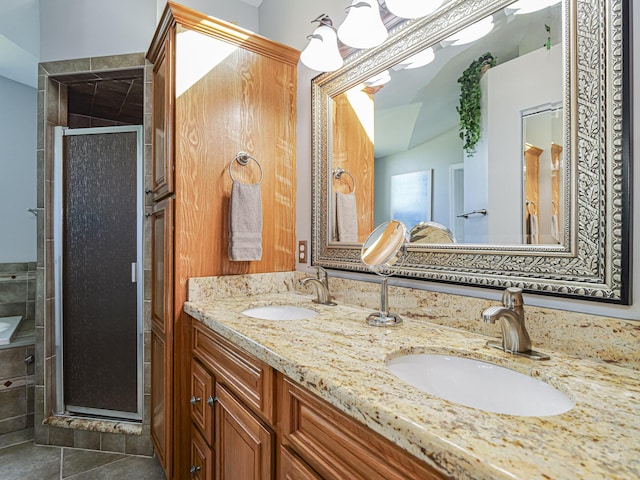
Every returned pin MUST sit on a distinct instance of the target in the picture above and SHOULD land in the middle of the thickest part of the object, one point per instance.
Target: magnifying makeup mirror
(383, 251)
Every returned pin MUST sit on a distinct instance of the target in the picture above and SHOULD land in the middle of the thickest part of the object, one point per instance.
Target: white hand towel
(555, 229)
(347, 217)
(245, 222)
(534, 229)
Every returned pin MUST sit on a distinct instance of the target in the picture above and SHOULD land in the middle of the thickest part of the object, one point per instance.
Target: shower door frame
(137, 271)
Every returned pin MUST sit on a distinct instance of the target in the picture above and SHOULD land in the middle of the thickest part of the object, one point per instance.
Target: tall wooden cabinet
(217, 90)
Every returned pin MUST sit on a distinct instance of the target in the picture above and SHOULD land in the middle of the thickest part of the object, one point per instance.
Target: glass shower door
(98, 245)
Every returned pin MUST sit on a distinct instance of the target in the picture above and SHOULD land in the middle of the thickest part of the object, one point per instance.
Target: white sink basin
(280, 312)
(8, 328)
(480, 385)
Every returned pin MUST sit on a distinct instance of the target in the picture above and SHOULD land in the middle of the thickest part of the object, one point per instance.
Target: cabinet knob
(211, 400)
(194, 469)
(194, 400)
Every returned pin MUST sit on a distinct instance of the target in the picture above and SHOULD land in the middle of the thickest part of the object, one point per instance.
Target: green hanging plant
(469, 107)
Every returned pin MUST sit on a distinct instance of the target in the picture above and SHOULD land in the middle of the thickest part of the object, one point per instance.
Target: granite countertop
(337, 356)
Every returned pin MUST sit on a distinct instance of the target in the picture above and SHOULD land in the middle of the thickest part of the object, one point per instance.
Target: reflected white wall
(18, 166)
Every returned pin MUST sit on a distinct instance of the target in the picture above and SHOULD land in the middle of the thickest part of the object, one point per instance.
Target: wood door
(244, 446)
(162, 330)
(201, 400)
(532, 193)
(163, 158)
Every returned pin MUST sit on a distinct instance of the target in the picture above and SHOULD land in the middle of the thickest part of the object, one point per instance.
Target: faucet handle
(321, 273)
(512, 298)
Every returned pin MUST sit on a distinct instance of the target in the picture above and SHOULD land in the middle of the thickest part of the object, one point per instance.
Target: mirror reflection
(466, 134)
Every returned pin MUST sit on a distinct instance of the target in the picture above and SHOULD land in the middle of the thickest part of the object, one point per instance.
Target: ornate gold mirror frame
(593, 261)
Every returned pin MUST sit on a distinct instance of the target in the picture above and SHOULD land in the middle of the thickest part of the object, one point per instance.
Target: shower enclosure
(98, 205)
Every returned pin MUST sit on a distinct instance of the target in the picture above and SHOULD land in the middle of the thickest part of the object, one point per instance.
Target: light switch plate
(302, 251)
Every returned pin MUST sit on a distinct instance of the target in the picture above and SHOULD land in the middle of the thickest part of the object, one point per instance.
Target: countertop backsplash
(577, 334)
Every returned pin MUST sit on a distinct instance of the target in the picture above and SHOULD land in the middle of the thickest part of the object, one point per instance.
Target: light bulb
(412, 8)
(472, 33)
(420, 59)
(321, 53)
(528, 6)
(363, 27)
(378, 79)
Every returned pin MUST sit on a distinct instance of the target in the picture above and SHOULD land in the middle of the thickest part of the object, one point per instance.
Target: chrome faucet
(321, 284)
(515, 338)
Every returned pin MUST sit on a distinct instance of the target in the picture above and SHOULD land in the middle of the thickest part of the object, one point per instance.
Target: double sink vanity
(584, 423)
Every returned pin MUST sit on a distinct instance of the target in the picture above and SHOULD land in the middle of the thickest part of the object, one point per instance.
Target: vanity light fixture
(321, 53)
(363, 27)
(528, 6)
(472, 33)
(418, 60)
(378, 79)
(412, 8)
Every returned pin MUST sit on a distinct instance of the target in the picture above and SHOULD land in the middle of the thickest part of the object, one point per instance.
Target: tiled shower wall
(16, 388)
(17, 298)
(18, 289)
(52, 111)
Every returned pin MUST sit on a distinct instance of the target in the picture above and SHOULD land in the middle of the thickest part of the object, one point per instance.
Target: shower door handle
(134, 272)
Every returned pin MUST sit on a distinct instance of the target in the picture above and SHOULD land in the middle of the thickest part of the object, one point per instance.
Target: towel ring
(243, 159)
(337, 173)
(531, 205)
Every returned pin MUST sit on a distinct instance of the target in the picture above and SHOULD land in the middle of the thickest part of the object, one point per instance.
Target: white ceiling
(20, 39)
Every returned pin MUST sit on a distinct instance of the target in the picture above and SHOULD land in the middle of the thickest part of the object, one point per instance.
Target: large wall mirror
(498, 133)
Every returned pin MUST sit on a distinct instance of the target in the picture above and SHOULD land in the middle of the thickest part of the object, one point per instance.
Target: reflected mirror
(501, 123)
(383, 248)
(383, 252)
(440, 134)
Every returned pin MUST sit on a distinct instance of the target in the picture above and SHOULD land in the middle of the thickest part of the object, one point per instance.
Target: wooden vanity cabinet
(217, 90)
(231, 411)
(259, 424)
(336, 446)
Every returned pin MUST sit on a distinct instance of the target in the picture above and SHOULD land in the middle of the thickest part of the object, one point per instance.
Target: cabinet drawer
(338, 447)
(293, 468)
(246, 376)
(201, 400)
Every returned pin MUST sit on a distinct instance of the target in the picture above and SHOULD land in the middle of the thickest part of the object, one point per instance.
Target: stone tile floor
(20, 459)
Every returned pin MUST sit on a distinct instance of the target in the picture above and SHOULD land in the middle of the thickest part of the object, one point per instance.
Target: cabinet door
(161, 330)
(163, 120)
(201, 457)
(293, 468)
(244, 446)
(201, 400)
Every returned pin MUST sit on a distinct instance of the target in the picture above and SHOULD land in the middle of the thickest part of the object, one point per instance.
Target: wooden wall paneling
(236, 106)
(353, 151)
